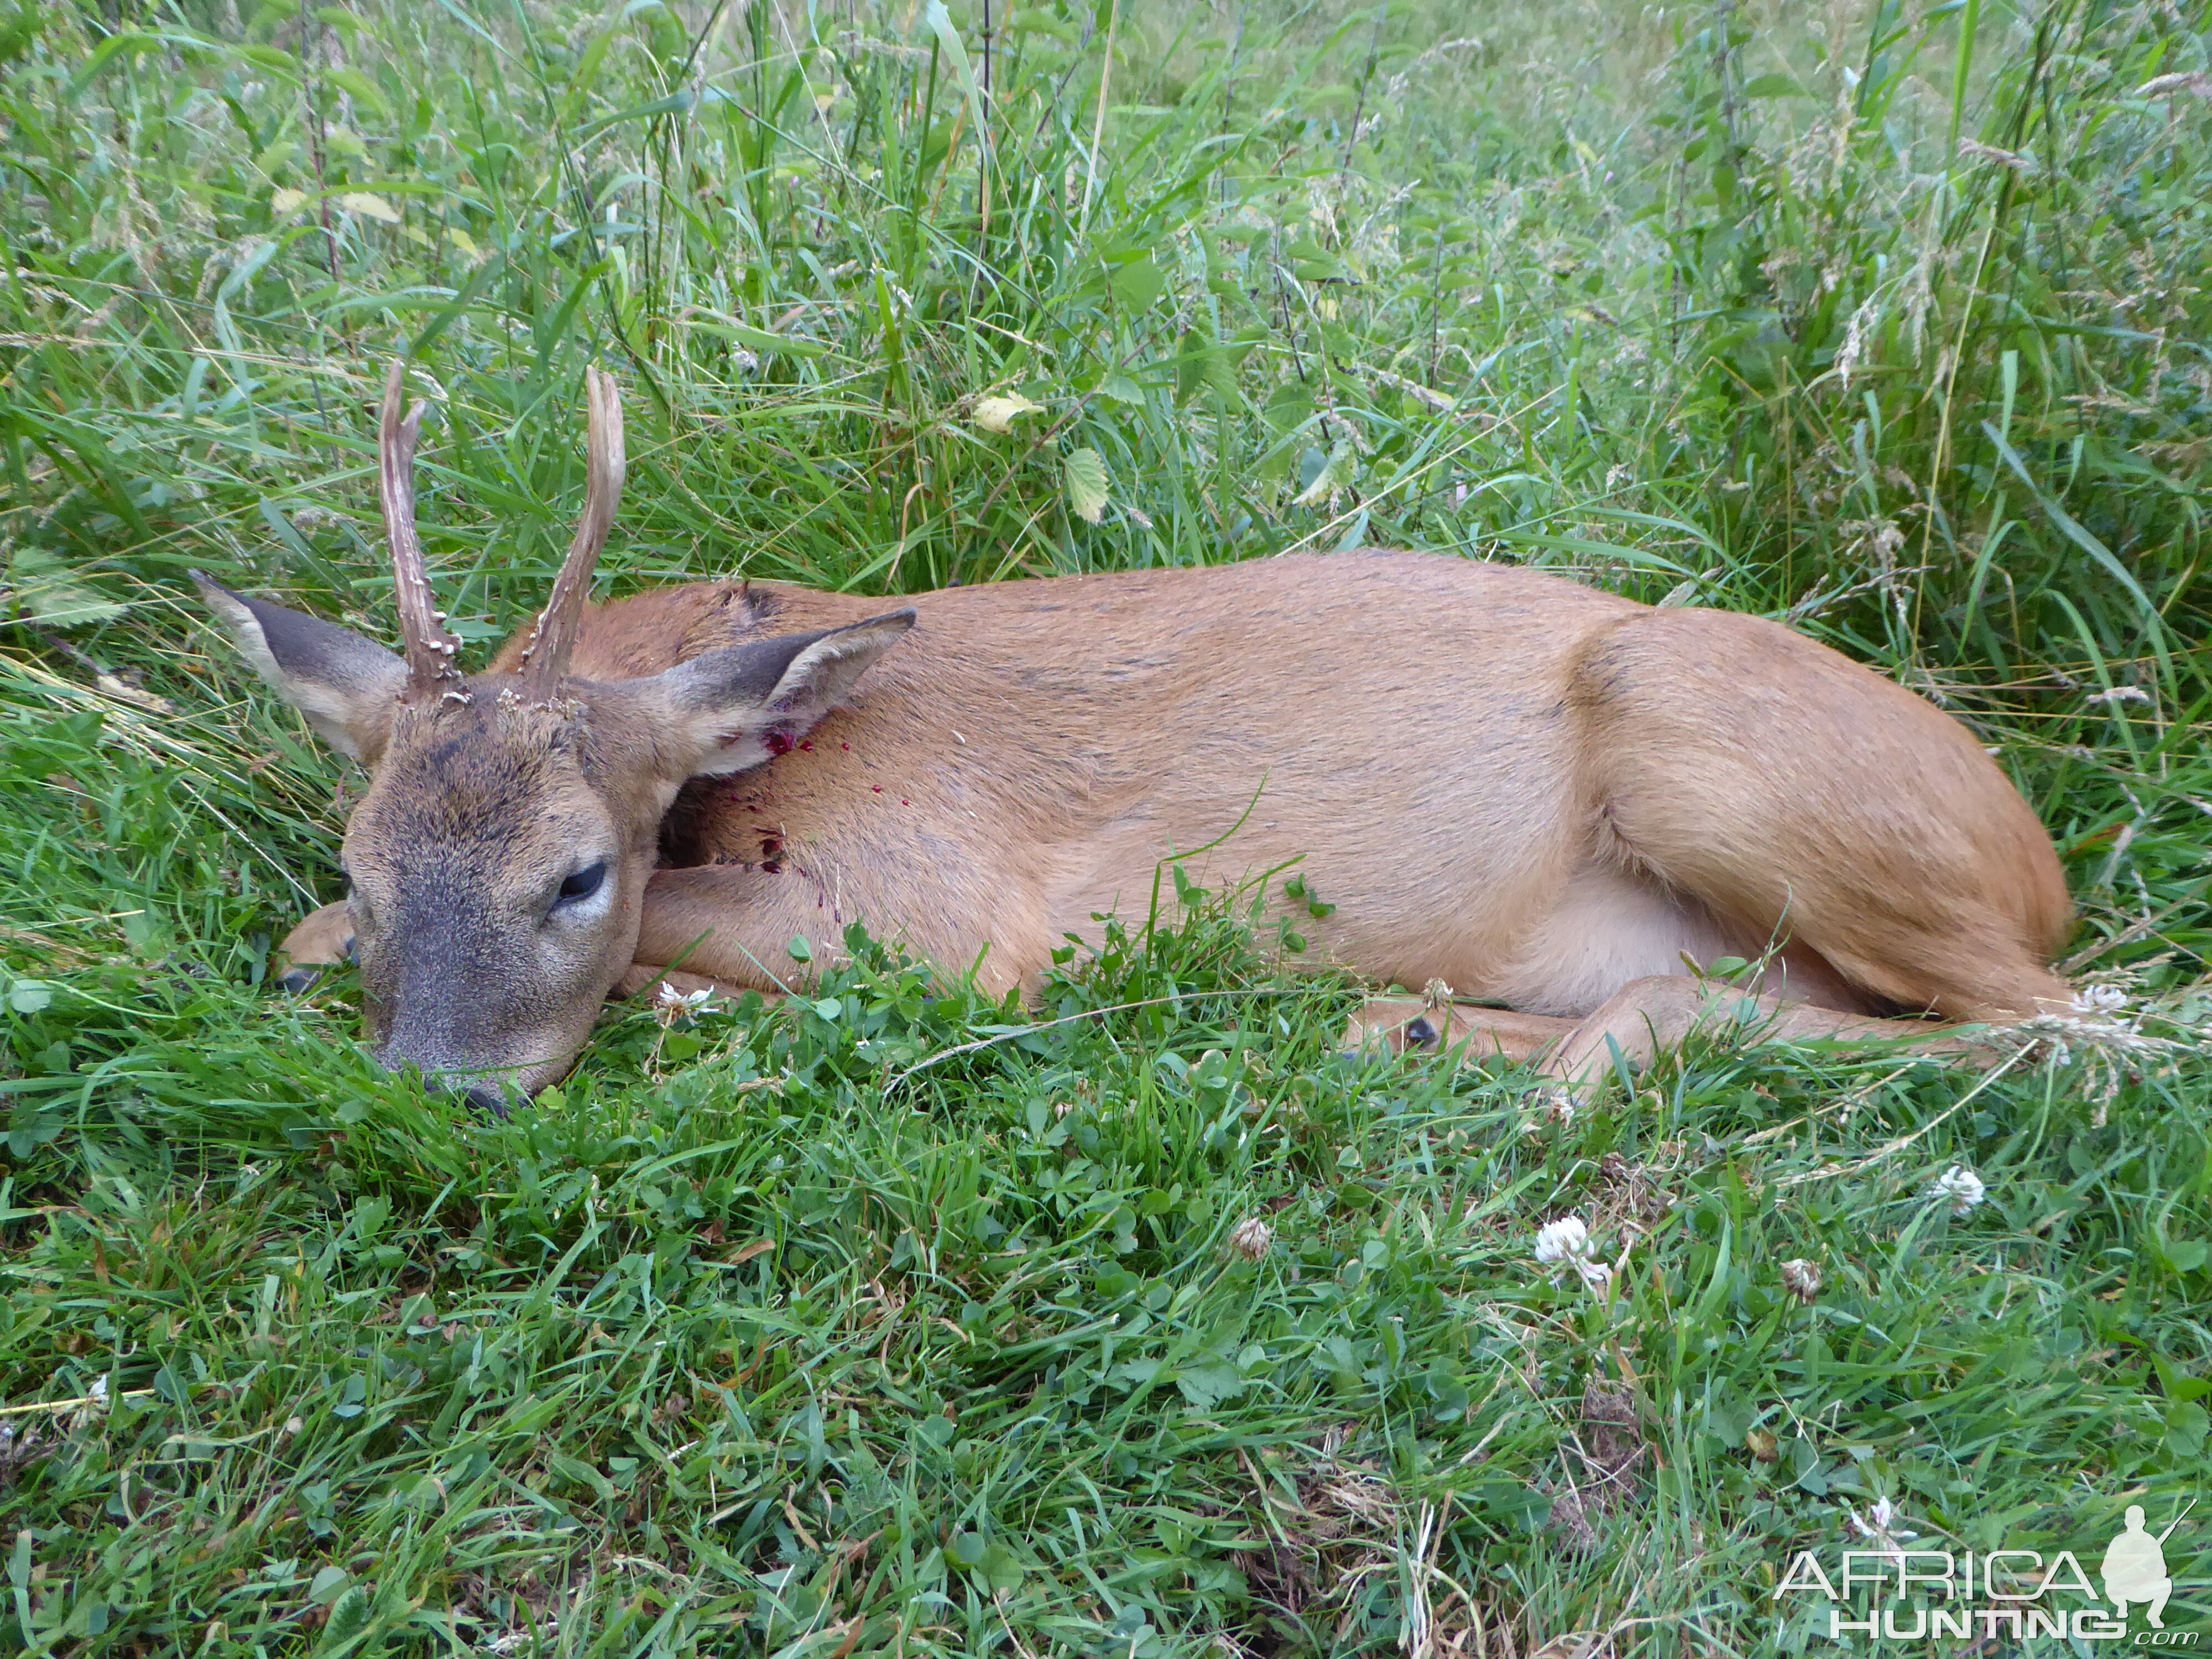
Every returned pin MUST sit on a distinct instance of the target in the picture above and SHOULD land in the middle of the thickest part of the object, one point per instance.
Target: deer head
(497, 864)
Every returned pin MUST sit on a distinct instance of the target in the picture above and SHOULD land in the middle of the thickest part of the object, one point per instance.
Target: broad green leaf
(759, 339)
(1083, 473)
(1137, 285)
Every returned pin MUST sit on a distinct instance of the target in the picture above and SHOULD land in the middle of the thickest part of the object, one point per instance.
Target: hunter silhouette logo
(2134, 1568)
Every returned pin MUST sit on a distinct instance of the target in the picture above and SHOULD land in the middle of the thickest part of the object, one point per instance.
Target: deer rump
(1531, 790)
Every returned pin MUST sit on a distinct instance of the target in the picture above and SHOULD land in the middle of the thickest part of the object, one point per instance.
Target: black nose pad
(486, 1099)
(300, 981)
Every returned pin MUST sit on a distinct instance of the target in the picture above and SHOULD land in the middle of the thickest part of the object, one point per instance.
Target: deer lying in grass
(1543, 795)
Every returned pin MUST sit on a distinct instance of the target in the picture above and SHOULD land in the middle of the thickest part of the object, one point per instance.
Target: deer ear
(346, 686)
(749, 703)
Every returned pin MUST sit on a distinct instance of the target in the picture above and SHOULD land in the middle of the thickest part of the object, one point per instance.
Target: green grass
(754, 1337)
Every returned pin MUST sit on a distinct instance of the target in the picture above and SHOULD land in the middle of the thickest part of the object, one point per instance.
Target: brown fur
(1539, 793)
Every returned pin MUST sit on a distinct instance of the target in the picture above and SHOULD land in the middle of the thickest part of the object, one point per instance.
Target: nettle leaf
(1123, 389)
(1082, 472)
(1137, 284)
(1338, 471)
(41, 587)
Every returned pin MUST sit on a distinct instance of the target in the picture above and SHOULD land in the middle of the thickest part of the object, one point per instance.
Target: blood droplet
(878, 788)
(779, 743)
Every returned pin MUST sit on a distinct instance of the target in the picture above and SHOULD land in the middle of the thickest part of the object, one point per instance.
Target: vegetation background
(898, 1324)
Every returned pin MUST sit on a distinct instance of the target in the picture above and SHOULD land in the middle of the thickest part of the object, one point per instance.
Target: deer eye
(582, 885)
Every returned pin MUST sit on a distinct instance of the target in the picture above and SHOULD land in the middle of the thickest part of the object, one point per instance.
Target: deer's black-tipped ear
(746, 704)
(346, 686)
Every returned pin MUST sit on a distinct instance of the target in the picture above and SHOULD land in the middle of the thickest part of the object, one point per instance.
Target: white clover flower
(673, 1004)
(1960, 1187)
(1253, 1238)
(2099, 1001)
(1565, 1240)
(1801, 1278)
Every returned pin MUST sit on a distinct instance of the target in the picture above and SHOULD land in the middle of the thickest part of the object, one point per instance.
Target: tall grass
(1890, 323)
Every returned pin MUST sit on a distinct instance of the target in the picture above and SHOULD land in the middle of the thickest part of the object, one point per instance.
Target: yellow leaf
(369, 206)
(997, 414)
(285, 202)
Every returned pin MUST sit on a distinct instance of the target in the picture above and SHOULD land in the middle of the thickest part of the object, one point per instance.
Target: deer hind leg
(1798, 796)
(1647, 1016)
(324, 938)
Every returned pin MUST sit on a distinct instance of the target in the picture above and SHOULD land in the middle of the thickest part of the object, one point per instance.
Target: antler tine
(429, 647)
(546, 660)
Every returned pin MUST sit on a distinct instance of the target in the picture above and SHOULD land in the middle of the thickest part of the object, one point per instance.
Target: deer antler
(545, 661)
(429, 647)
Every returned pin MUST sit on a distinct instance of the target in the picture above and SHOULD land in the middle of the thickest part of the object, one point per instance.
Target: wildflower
(1566, 1241)
(1562, 1240)
(2099, 1001)
(1880, 1528)
(1960, 1187)
(1253, 1238)
(1801, 1278)
(670, 1005)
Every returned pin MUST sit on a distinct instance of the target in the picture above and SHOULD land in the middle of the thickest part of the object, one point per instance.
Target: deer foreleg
(324, 938)
(1410, 1025)
(643, 976)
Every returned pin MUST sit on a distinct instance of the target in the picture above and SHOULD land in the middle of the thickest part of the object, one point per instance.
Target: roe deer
(1546, 796)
